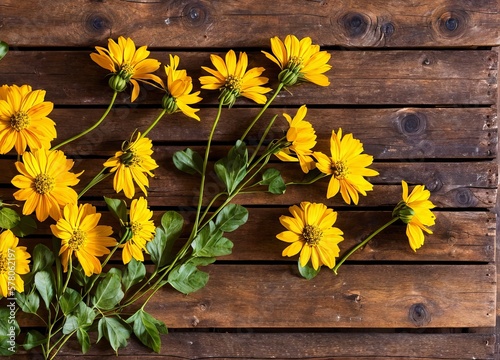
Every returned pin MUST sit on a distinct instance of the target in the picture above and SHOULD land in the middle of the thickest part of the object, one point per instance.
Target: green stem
(85, 132)
(271, 99)
(66, 338)
(154, 123)
(363, 243)
(70, 270)
(96, 180)
(263, 137)
(319, 177)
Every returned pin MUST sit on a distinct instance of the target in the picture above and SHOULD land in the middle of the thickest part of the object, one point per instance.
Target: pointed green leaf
(69, 301)
(133, 274)
(117, 207)
(186, 278)
(33, 339)
(26, 226)
(83, 339)
(231, 217)
(29, 303)
(4, 49)
(308, 271)
(9, 329)
(115, 331)
(148, 329)
(188, 161)
(232, 169)
(81, 318)
(209, 242)
(172, 222)
(8, 218)
(272, 177)
(44, 283)
(109, 292)
(43, 258)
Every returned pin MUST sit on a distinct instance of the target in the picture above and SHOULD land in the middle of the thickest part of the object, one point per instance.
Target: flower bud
(168, 102)
(404, 212)
(117, 83)
(228, 97)
(288, 77)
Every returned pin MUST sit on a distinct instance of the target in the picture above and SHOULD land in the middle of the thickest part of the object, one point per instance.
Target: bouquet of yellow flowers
(74, 289)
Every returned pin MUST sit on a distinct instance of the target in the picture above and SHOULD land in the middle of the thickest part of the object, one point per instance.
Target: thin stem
(97, 179)
(85, 132)
(319, 177)
(268, 128)
(66, 338)
(70, 270)
(363, 243)
(271, 99)
(153, 124)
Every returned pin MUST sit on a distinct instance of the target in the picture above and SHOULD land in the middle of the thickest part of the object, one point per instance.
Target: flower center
(295, 63)
(20, 121)
(312, 234)
(4, 264)
(128, 158)
(233, 83)
(126, 71)
(340, 170)
(44, 184)
(136, 227)
(77, 239)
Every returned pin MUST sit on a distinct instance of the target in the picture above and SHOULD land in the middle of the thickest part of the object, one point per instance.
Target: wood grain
(357, 77)
(183, 23)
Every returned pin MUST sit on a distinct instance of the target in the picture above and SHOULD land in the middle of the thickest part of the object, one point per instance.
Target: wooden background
(415, 81)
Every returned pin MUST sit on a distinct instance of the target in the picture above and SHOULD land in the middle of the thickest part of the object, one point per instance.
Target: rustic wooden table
(415, 81)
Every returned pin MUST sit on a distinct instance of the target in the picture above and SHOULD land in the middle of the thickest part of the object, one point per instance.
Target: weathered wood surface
(183, 23)
(358, 77)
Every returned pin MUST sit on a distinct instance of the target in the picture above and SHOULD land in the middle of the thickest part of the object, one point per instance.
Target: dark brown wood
(164, 23)
(357, 77)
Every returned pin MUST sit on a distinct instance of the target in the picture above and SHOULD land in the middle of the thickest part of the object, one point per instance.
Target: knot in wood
(355, 24)
(419, 315)
(450, 22)
(465, 198)
(97, 23)
(388, 29)
(195, 14)
(413, 123)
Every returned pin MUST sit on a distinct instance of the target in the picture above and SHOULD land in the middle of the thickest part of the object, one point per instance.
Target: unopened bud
(228, 97)
(168, 102)
(117, 83)
(288, 77)
(404, 212)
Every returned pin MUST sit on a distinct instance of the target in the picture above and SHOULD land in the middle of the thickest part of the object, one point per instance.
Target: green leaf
(133, 274)
(209, 242)
(29, 303)
(69, 301)
(308, 271)
(115, 331)
(82, 317)
(231, 217)
(33, 339)
(186, 278)
(157, 248)
(201, 261)
(117, 207)
(42, 258)
(272, 177)
(188, 161)
(26, 226)
(83, 339)
(4, 49)
(44, 283)
(108, 293)
(148, 329)
(8, 218)
(172, 222)
(9, 329)
(233, 168)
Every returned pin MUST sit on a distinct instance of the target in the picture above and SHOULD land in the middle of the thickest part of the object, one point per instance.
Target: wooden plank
(457, 237)
(473, 185)
(411, 133)
(163, 23)
(396, 77)
(248, 344)
(382, 296)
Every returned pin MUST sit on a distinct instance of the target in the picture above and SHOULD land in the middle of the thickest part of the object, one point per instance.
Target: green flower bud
(126, 158)
(168, 102)
(288, 77)
(117, 83)
(228, 97)
(404, 212)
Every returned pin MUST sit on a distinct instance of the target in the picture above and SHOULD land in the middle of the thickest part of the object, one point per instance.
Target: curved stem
(70, 270)
(96, 180)
(85, 132)
(271, 99)
(153, 124)
(363, 243)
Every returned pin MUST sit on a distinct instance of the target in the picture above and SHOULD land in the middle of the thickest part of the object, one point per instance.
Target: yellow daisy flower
(233, 79)
(310, 231)
(299, 60)
(80, 235)
(44, 183)
(23, 119)
(127, 63)
(415, 211)
(348, 166)
(131, 165)
(178, 88)
(13, 263)
(142, 228)
(302, 137)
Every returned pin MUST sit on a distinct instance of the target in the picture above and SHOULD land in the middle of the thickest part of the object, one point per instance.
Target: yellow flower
(45, 182)
(13, 262)
(127, 64)
(142, 228)
(233, 79)
(299, 60)
(178, 88)
(415, 211)
(80, 235)
(348, 166)
(302, 137)
(23, 119)
(310, 231)
(131, 165)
